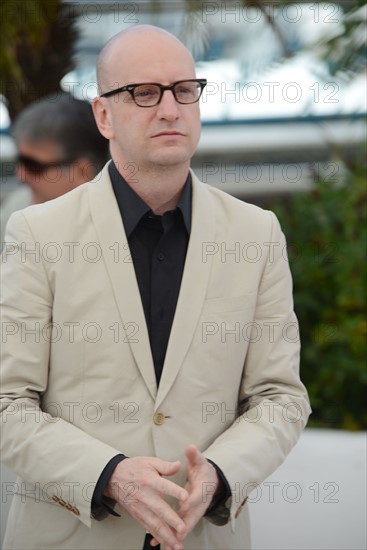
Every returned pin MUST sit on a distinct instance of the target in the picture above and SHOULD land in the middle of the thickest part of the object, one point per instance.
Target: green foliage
(36, 39)
(345, 52)
(19, 17)
(326, 233)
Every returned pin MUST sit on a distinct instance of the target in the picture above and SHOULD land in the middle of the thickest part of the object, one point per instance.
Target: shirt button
(160, 256)
(158, 418)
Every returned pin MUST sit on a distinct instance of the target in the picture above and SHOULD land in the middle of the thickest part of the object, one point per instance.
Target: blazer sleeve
(273, 403)
(60, 461)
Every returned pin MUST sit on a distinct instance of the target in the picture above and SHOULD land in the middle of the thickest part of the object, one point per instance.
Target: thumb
(193, 455)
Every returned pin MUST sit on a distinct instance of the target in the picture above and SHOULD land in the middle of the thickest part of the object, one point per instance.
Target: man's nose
(168, 107)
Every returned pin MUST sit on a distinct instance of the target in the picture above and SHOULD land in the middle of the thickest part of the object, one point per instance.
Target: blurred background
(284, 127)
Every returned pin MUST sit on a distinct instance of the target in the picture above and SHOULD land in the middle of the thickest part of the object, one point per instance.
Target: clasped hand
(139, 486)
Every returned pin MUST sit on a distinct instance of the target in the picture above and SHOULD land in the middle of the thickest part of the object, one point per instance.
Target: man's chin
(170, 158)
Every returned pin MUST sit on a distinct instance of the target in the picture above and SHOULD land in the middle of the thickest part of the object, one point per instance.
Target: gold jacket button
(159, 418)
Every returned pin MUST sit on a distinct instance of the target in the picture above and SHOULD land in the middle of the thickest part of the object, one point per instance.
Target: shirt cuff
(218, 512)
(102, 506)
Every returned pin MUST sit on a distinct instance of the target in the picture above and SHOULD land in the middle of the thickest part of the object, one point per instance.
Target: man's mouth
(168, 133)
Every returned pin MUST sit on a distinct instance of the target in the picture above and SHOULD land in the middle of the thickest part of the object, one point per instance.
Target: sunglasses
(33, 165)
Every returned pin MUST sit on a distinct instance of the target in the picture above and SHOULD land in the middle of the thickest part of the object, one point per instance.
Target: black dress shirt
(158, 246)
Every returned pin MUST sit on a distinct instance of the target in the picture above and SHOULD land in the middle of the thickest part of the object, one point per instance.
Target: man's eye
(145, 92)
(184, 90)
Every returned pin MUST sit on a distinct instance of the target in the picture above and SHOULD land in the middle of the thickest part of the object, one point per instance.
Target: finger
(166, 538)
(194, 461)
(167, 487)
(192, 502)
(154, 543)
(179, 535)
(160, 531)
(192, 515)
(175, 545)
(158, 512)
(198, 499)
(164, 467)
(194, 456)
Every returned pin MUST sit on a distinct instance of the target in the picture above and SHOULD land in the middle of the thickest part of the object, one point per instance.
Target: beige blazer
(78, 382)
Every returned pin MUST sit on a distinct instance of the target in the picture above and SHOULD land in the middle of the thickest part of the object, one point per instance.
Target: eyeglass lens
(149, 94)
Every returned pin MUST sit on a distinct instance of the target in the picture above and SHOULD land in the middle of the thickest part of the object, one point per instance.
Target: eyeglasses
(33, 165)
(150, 94)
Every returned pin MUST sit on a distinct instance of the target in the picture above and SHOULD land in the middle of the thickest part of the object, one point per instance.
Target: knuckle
(142, 482)
(158, 529)
(145, 479)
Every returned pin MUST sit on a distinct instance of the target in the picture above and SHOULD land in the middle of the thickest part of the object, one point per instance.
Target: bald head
(141, 47)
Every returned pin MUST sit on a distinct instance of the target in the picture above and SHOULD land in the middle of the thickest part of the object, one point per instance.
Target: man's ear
(103, 117)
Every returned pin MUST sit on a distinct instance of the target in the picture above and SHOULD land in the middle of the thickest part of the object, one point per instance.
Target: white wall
(319, 496)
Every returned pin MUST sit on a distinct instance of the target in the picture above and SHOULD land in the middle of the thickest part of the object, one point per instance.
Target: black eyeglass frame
(131, 87)
(34, 165)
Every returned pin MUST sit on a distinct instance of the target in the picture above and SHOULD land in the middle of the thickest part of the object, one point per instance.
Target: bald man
(151, 363)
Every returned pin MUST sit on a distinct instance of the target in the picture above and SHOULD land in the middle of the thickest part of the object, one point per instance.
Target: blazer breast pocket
(226, 324)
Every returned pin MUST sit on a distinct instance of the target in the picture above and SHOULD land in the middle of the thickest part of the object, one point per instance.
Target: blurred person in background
(59, 147)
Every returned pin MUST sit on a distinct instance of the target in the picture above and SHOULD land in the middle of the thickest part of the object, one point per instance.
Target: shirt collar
(133, 208)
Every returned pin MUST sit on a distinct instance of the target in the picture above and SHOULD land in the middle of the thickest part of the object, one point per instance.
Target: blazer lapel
(193, 287)
(111, 233)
